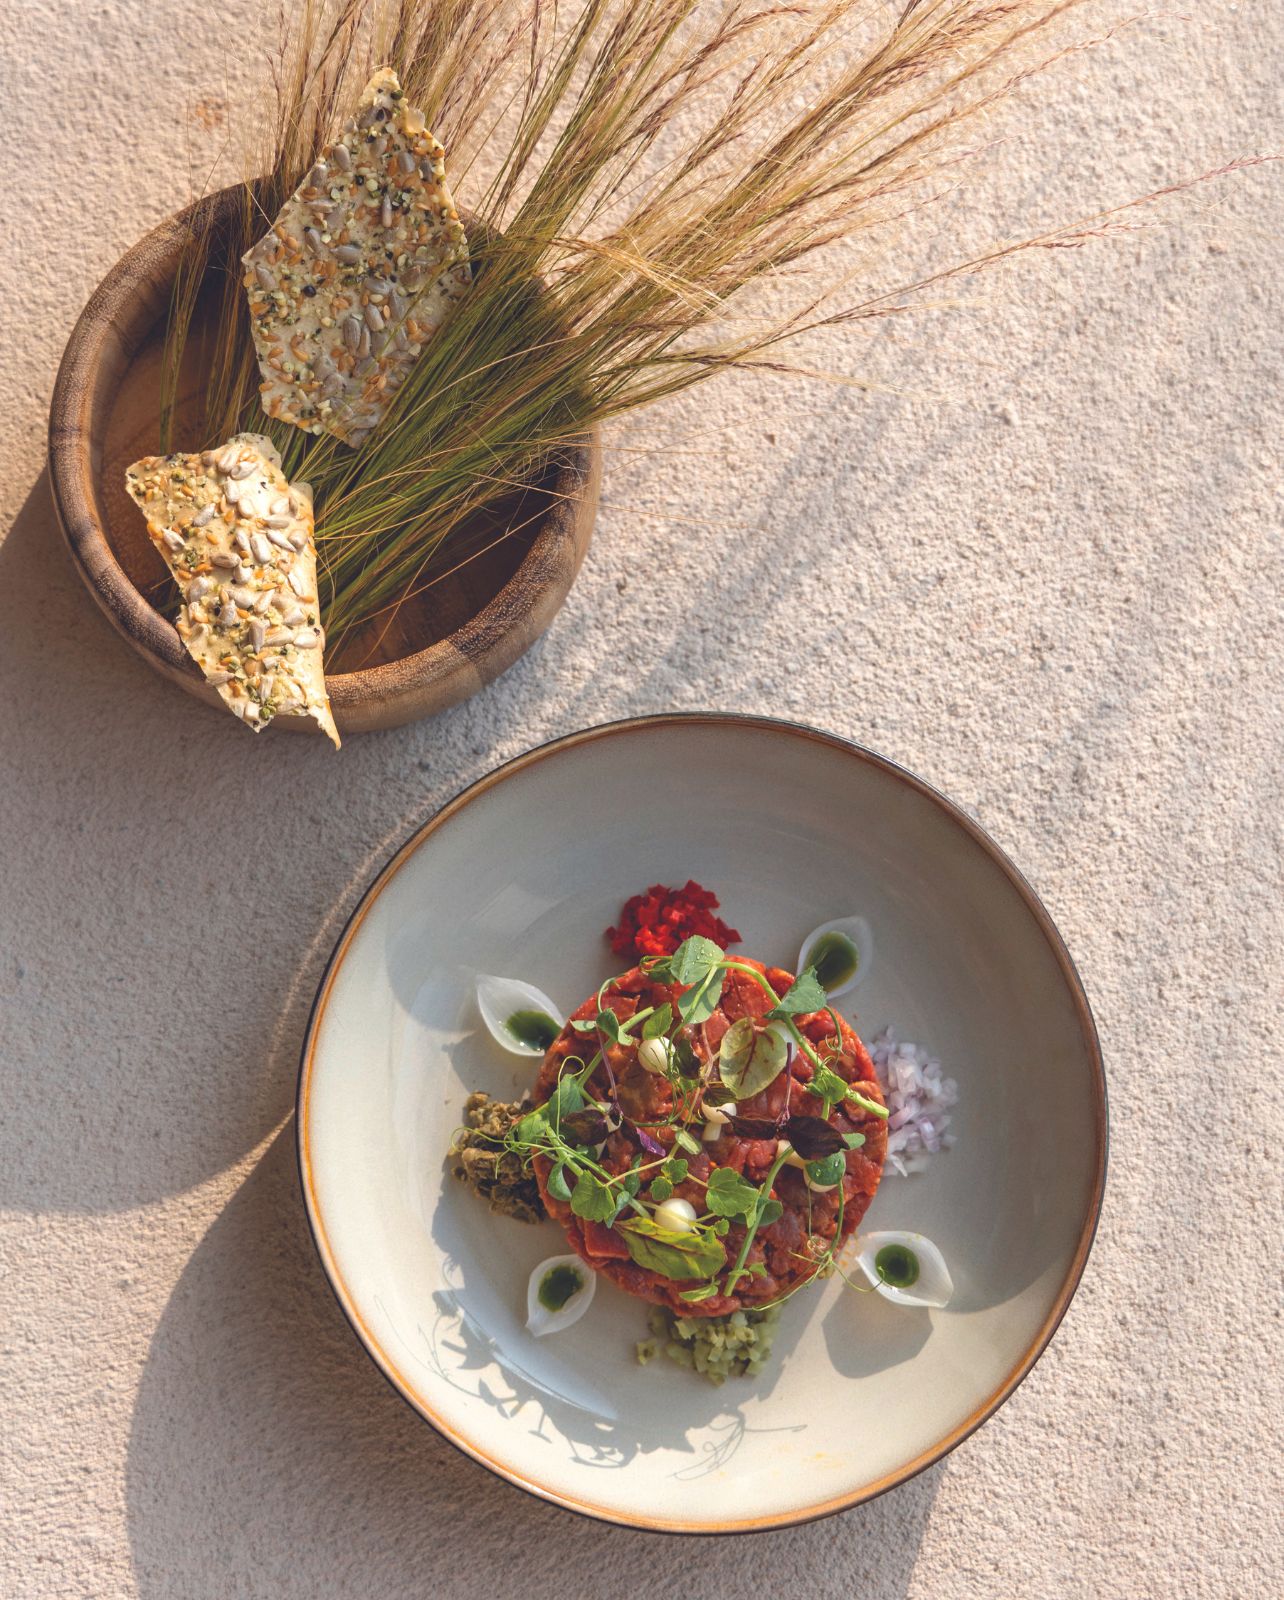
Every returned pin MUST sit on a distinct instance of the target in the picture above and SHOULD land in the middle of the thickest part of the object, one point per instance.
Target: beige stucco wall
(1038, 561)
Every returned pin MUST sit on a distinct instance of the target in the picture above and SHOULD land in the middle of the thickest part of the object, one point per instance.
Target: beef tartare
(734, 1139)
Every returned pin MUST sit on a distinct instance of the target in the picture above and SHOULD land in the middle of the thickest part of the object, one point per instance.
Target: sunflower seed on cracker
(227, 626)
(395, 233)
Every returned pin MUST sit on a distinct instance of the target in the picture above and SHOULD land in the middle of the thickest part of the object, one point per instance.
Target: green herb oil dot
(897, 1265)
(533, 1028)
(557, 1286)
(835, 959)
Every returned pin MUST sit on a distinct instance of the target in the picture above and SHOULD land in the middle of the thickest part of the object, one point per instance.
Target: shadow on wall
(269, 1456)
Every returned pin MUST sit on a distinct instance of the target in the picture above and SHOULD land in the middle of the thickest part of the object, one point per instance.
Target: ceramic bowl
(520, 876)
(445, 644)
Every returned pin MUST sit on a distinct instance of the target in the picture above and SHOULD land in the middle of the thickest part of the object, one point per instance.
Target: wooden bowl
(446, 643)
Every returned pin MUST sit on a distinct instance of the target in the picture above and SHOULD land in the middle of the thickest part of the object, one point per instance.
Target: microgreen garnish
(698, 964)
(730, 1195)
(658, 1023)
(570, 1129)
(706, 1291)
(758, 1220)
(586, 1127)
(695, 959)
(829, 1169)
(805, 995)
(592, 1199)
(697, 1254)
(833, 1090)
(813, 1137)
(754, 1127)
(605, 1022)
(751, 1057)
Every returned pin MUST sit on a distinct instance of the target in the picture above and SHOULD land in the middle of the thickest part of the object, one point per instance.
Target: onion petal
(499, 999)
(846, 934)
(933, 1286)
(539, 1319)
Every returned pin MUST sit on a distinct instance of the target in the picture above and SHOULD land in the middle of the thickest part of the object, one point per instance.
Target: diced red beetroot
(656, 923)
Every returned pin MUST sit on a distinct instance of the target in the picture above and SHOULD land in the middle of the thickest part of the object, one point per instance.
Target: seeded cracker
(238, 540)
(357, 271)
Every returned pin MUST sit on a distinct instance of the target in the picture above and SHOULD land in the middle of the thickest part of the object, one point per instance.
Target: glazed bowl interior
(520, 877)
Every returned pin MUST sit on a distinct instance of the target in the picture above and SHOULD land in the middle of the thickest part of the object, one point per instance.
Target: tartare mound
(787, 1249)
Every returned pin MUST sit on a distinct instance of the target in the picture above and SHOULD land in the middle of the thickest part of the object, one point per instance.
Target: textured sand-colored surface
(1039, 563)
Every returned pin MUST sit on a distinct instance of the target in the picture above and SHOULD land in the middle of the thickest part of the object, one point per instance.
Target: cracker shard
(357, 271)
(238, 540)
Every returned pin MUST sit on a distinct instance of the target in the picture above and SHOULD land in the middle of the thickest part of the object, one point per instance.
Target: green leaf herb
(608, 1025)
(658, 1023)
(567, 1098)
(730, 1195)
(834, 1090)
(706, 1291)
(587, 1127)
(831, 1088)
(695, 959)
(812, 1137)
(532, 1128)
(592, 1199)
(685, 1061)
(805, 995)
(696, 1254)
(697, 1004)
(750, 1058)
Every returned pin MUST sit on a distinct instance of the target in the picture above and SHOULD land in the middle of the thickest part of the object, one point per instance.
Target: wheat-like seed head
(649, 162)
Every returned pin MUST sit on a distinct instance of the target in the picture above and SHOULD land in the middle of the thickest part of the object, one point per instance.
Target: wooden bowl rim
(74, 480)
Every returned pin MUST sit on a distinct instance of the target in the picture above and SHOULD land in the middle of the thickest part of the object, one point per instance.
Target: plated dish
(519, 1342)
(707, 1130)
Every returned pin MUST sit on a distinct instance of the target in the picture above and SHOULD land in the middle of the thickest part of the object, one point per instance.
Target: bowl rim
(1069, 973)
(113, 315)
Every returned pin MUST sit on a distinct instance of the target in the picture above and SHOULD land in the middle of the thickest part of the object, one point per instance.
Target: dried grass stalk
(649, 161)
